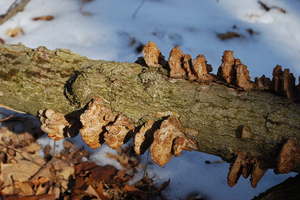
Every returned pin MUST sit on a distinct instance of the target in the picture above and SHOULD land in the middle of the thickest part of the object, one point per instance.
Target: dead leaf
(228, 35)
(20, 171)
(43, 18)
(2, 41)
(14, 32)
(131, 188)
(35, 197)
(91, 191)
(25, 188)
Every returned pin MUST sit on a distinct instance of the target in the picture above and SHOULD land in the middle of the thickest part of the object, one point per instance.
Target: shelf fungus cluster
(100, 124)
(231, 72)
(165, 137)
(246, 165)
(289, 156)
(168, 140)
(54, 124)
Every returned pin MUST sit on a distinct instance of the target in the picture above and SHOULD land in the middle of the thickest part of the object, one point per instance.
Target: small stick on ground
(7, 118)
(16, 7)
(138, 9)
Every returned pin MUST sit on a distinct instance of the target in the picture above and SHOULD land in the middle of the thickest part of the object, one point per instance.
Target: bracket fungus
(277, 81)
(140, 136)
(152, 55)
(283, 83)
(93, 121)
(53, 123)
(245, 165)
(202, 69)
(115, 134)
(244, 132)
(288, 84)
(182, 66)
(243, 78)
(162, 147)
(263, 83)
(175, 63)
(226, 70)
(257, 172)
(188, 67)
(236, 168)
(288, 156)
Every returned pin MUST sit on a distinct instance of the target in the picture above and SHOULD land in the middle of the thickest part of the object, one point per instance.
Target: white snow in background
(191, 24)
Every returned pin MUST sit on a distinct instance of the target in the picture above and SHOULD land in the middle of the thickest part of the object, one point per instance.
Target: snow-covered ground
(111, 30)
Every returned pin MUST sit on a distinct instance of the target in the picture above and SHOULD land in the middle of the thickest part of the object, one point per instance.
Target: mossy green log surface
(35, 79)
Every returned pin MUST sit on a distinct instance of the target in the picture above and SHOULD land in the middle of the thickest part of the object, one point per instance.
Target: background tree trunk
(213, 114)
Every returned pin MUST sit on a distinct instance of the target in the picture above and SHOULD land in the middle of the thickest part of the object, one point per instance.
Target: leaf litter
(27, 174)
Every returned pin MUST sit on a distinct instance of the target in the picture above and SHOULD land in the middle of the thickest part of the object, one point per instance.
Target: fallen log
(225, 114)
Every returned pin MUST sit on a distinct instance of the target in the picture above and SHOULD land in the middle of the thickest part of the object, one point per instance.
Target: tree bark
(213, 114)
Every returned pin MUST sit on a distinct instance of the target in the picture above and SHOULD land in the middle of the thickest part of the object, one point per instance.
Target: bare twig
(268, 8)
(7, 118)
(137, 9)
(16, 7)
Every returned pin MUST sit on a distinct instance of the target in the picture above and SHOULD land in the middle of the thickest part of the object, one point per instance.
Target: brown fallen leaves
(14, 32)
(26, 175)
(228, 35)
(43, 18)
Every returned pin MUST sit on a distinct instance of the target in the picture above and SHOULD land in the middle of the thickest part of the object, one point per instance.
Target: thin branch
(137, 9)
(16, 7)
(7, 118)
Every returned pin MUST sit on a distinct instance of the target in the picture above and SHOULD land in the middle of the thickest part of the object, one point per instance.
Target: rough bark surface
(211, 114)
